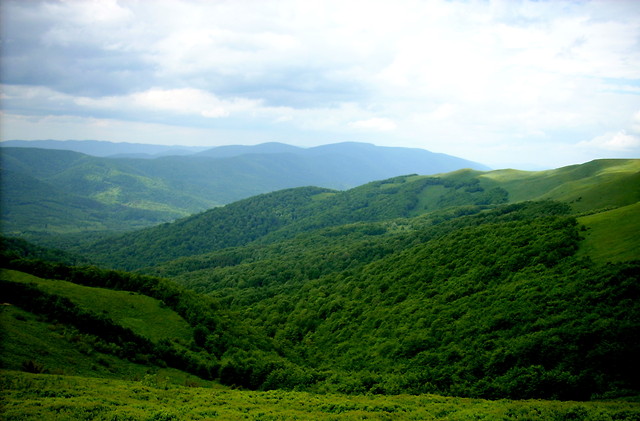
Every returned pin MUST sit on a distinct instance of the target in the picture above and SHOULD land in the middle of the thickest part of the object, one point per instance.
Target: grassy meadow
(55, 397)
(612, 236)
(142, 314)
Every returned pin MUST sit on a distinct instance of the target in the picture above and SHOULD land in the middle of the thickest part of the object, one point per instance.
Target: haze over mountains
(104, 148)
(79, 192)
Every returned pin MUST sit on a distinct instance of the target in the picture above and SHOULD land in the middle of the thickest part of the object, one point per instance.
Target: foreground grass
(55, 397)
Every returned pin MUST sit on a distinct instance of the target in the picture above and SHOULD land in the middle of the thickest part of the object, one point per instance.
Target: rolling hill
(591, 187)
(144, 192)
(478, 284)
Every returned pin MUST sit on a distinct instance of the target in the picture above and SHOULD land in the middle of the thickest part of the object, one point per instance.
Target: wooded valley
(471, 284)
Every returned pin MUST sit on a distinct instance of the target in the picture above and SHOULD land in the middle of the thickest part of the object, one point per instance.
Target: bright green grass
(63, 350)
(143, 315)
(47, 397)
(109, 196)
(594, 185)
(613, 235)
(607, 189)
(322, 196)
(428, 197)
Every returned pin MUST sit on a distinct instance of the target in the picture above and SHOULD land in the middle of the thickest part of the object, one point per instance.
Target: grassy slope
(60, 349)
(29, 396)
(143, 315)
(612, 235)
(608, 190)
(56, 348)
(591, 186)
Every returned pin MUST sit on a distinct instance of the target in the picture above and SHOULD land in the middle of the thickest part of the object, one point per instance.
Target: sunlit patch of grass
(594, 185)
(144, 315)
(47, 397)
(29, 341)
(613, 235)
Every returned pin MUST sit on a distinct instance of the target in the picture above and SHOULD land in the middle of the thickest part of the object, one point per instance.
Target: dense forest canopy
(443, 284)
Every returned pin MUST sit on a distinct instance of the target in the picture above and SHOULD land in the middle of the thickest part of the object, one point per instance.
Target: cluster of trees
(277, 216)
(494, 304)
(475, 301)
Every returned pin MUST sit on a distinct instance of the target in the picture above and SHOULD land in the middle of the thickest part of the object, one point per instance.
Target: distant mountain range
(103, 148)
(72, 186)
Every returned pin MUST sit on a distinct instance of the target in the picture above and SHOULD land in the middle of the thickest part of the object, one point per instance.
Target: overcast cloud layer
(506, 83)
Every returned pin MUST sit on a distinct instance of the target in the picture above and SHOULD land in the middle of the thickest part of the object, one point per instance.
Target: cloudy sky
(525, 84)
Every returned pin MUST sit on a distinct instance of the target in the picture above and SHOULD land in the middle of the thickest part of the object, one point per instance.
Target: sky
(509, 83)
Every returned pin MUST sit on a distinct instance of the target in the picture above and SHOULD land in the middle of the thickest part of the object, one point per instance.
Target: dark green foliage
(409, 285)
(284, 214)
(31, 366)
(232, 225)
(493, 304)
(16, 248)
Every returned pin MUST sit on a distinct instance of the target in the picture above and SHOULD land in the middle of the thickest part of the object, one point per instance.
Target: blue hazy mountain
(104, 148)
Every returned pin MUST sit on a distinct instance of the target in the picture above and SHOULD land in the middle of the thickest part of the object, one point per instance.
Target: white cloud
(190, 101)
(443, 112)
(635, 122)
(178, 101)
(481, 79)
(376, 123)
(619, 141)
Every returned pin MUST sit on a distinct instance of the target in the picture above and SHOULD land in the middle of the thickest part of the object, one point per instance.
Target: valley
(502, 294)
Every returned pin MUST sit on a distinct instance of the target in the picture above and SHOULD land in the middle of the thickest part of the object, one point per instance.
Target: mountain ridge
(399, 197)
(169, 187)
(498, 284)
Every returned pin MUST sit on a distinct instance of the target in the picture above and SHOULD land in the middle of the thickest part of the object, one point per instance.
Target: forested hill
(499, 284)
(492, 301)
(591, 187)
(58, 191)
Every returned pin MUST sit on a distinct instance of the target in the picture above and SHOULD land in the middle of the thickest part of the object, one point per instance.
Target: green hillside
(287, 213)
(37, 209)
(413, 285)
(59, 326)
(145, 192)
(591, 187)
(32, 344)
(414, 307)
(493, 304)
(144, 315)
(612, 235)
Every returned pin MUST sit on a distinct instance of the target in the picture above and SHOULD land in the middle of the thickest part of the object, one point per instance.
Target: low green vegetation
(36, 396)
